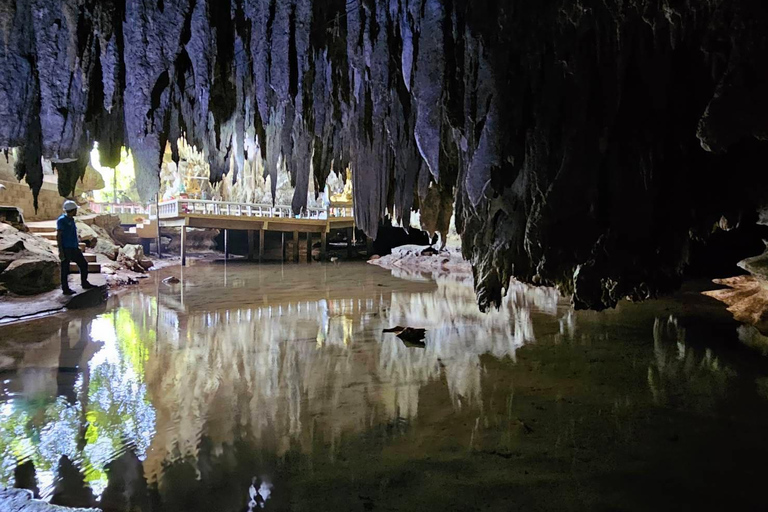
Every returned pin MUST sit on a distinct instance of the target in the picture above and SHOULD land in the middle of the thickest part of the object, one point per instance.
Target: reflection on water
(682, 376)
(275, 387)
(103, 414)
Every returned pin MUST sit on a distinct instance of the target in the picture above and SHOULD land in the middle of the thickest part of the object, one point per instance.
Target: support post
(309, 247)
(226, 244)
(295, 246)
(350, 246)
(368, 246)
(183, 246)
(282, 246)
(324, 246)
(157, 219)
(251, 245)
(261, 245)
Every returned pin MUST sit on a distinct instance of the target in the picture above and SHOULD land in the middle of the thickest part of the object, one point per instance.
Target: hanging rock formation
(583, 143)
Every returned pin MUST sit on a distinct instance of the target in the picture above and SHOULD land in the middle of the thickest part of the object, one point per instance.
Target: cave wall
(583, 143)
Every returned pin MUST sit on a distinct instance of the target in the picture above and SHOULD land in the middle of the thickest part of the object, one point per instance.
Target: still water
(247, 387)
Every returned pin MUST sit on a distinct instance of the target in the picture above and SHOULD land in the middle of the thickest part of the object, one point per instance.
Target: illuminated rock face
(582, 142)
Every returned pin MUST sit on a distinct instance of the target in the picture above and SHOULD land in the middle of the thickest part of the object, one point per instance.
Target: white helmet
(69, 206)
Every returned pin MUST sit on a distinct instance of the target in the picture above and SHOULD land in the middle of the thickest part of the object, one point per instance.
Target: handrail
(177, 207)
(118, 208)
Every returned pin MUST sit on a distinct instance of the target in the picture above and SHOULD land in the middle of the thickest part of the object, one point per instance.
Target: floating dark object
(411, 337)
(430, 251)
(171, 280)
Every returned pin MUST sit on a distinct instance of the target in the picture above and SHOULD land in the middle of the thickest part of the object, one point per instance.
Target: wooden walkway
(253, 218)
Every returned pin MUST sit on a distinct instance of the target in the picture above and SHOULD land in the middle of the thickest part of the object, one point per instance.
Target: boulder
(28, 264)
(111, 225)
(107, 221)
(105, 244)
(98, 240)
(86, 234)
(132, 257)
(30, 276)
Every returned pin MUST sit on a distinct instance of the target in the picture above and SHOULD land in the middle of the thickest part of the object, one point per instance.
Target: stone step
(90, 258)
(93, 268)
(40, 229)
(56, 244)
(48, 235)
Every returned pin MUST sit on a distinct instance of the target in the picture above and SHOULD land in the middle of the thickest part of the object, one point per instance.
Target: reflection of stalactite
(273, 371)
(679, 370)
(457, 334)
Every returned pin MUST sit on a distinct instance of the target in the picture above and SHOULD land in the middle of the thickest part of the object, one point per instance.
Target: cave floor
(14, 308)
(246, 386)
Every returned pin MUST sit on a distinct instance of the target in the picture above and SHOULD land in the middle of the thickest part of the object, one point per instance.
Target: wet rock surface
(20, 500)
(417, 259)
(18, 308)
(582, 143)
(747, 298)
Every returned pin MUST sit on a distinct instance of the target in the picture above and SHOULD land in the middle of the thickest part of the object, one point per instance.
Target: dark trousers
(75, 255)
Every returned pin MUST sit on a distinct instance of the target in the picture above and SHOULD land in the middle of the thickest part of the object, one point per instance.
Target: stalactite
(581, 144)
(65, 57)
(69, 173)
(428, 84)
(29, 165)
(152, 38)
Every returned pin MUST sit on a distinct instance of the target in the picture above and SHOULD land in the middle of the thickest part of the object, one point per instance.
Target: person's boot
(67, 291)
(87, 286)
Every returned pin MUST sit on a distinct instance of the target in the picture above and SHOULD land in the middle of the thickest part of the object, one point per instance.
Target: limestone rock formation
(582, 143)
(757, 265)
(97, 239)
(28, 264)
(747, 296)
(132, 257)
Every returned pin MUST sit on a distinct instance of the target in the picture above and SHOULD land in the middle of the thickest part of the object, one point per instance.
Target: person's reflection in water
(127, 487)
(70, 489)
(25, 477)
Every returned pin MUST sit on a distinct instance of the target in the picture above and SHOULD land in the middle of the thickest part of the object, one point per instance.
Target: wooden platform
(253, 218)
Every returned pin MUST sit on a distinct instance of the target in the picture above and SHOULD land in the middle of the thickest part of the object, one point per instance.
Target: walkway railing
(118, 208)
(338, 209)
(180, 207)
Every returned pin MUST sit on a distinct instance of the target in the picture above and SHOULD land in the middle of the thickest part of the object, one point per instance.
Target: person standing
(69, 248)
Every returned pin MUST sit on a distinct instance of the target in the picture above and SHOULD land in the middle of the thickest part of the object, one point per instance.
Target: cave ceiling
(581, 144)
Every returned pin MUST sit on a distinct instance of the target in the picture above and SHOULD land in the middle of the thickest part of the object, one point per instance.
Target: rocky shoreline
(414, 261)
(21, 500)
(30, 267)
